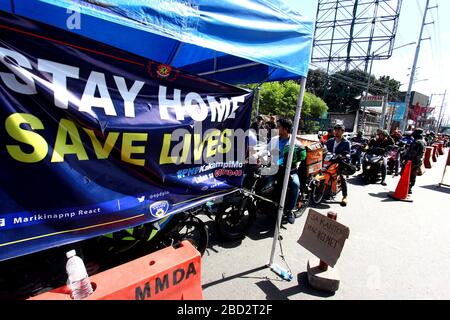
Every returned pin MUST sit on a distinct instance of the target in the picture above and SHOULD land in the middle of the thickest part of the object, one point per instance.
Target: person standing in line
(415, 153)
(340, 146)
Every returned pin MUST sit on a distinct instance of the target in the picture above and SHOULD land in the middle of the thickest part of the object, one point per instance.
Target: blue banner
(399, 110)
(94, 139)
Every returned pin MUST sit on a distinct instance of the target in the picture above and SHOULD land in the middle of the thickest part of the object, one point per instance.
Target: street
(396, 250)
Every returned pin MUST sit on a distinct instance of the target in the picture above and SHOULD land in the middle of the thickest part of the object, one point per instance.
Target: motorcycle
(356, 154)
(327, 183)
(45, 270)
(128, 244)
(371, 164)
(236, 213)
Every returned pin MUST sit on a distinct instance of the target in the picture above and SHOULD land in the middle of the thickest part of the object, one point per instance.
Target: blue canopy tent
(234, 41)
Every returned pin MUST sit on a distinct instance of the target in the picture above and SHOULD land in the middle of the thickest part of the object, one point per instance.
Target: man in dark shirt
(415, 153)
(258, 125)
(270, 125)
(340, 146)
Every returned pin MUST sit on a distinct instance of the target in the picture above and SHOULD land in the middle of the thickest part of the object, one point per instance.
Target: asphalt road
(396, 250)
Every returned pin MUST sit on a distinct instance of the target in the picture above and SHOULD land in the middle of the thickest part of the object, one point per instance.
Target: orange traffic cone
(401, 192)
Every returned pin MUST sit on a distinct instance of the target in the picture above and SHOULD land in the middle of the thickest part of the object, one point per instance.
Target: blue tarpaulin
(228, 40)
(235, 41)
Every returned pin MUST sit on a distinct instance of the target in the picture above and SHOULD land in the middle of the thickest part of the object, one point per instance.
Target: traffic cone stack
(401, 192)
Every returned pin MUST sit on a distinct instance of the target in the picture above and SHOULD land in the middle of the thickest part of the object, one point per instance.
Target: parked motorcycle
(168, 231)
(327, 183)
(29, 275)
(235, 214)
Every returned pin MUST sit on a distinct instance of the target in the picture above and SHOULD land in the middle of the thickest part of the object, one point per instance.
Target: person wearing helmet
(383, 142)
(415, 154)
(358, 142)
(339, 145)
(397, 136)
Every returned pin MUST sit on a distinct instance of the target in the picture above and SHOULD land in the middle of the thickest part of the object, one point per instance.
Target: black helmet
(417, 132)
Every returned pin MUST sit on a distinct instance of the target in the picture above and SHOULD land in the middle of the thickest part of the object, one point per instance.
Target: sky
(434, 57)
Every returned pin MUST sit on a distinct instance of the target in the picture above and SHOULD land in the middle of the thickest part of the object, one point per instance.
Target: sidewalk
(396, 250)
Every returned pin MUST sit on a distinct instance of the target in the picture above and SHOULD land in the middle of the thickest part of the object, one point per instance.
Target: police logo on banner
(159, 209)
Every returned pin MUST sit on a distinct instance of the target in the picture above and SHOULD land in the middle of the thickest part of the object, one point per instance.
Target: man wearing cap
(384, 141)
(415, 153)
(340, 146)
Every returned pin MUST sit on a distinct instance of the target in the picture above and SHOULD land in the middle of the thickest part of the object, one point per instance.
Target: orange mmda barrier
(168, 274)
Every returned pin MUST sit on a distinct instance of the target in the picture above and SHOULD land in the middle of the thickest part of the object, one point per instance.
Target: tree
(280, 98)
(385, 84)
(344, 88)
(317, 81)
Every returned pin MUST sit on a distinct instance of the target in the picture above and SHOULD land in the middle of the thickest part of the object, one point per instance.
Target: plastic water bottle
(78, 279)
(282, 272)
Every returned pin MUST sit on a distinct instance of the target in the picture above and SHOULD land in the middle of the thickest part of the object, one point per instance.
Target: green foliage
(340, 89)
(385, 84)
(280, 98)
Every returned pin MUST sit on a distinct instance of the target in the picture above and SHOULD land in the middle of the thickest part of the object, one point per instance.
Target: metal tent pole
(257, 100)
(288, 167)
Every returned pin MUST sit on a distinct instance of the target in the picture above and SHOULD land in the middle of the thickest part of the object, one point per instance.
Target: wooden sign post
(324, 237)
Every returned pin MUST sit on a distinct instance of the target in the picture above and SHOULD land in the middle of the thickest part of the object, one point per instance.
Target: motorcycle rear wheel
(303, 206)
(317, 192)
(191, 229)
(233, 220)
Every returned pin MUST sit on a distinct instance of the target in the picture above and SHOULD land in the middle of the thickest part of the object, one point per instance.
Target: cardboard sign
(323, 237)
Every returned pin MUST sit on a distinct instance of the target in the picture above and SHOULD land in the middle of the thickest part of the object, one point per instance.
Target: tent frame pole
(288, 167)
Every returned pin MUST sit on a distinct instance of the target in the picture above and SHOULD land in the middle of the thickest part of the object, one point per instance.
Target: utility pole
(413, 69)
(440, 113)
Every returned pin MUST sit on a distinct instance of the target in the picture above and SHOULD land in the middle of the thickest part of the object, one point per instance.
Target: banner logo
(159, 209)
(163, 70)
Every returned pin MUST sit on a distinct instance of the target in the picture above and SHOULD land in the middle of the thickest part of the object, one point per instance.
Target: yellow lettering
(68, 128)
(164, 158)
(102, 152)
(12, 125)
(128, 149)
(186, 148)
(226, 141)
(212, 144)
(199, 146)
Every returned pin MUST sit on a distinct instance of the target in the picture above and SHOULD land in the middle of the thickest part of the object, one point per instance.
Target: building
(419, 111)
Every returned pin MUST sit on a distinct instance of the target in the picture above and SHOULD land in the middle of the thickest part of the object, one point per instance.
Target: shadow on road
(321, 206)
(437, 188)
(384, 196)
(381, 195)
(302, 286)
(356, 180)
(238, 275)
